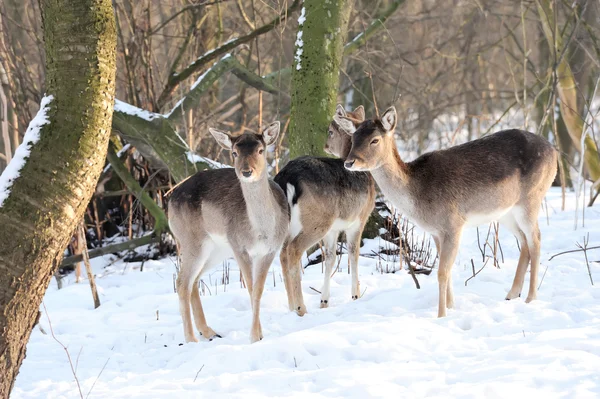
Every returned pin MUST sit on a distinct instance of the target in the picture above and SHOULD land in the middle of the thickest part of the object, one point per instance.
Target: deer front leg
(354, 238)
(449, 248)
(245, 264)
(329, 244)
(262, 270)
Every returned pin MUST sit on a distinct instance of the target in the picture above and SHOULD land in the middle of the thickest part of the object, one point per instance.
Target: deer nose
(247, 173)
(349, 164)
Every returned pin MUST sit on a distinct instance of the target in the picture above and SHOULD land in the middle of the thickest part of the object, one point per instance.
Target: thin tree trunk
(567, 92)
(48, 199)
(86, 261)
(315, 74)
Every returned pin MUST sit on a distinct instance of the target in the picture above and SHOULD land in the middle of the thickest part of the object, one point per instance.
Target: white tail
(503, 177)
(228, 212)
(325, 199)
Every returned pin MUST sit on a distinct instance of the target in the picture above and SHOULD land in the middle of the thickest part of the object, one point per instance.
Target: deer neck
(393, 179)
(346, 146)
(260, 203)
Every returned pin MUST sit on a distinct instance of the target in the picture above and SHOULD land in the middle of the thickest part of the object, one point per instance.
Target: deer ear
(359, 113)
(345, 124)
(340, 111)
(389, 119)
(224, 139)
(270, 133)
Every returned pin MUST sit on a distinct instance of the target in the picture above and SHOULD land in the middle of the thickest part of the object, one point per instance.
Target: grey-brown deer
(502, 177)
(325, 199)
(228, 212)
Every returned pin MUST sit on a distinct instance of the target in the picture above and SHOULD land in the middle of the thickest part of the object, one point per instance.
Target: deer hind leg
(532, 234)
(297, 246)
(449, 249)
(329, 249)
(353, 237)
(527, 220)
(262, 270)
(510, 222)
(285, 270)
(192, 262)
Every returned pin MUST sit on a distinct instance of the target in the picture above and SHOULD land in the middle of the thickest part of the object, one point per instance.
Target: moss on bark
(315, 74)
(56, 183)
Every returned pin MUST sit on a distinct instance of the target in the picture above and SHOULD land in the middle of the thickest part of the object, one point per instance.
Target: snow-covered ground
(389, 343)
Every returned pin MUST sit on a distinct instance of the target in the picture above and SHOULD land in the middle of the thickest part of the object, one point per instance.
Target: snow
(299, 43)
(32, 136)
(193, 158)
(299, 50)
(129, 109)
(389, 343)
(302, 16)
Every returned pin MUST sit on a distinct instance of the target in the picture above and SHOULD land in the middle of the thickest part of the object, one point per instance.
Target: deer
(500, 177)
(325, 199)
(220, 213)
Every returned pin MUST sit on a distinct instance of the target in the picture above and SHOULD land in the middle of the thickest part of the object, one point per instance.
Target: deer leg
(285, 270)
(449, 291)
(297, 246)
(528, 225)
(191, 265)
(245, 264)
(449, 248)
(510, 222)
(533, 242)
(259, 285)
(353, 238)
(198, 311)
(330, 242)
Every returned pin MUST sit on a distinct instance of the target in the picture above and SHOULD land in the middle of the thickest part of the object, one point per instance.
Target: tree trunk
(567, 91)
(48, 199)
(315, 74)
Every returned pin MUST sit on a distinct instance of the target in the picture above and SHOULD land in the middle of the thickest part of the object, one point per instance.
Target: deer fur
(501, 177)
(325, 199)
(220, 213)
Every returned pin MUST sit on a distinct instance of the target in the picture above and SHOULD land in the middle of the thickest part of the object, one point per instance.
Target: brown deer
(220, 213)
(502, 177)
(325, 199)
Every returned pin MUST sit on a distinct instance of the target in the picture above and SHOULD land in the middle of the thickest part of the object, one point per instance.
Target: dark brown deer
(228, 212)
(325, 199)
(503, 177)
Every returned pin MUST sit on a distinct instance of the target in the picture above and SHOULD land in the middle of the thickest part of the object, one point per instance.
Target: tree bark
(48, 199)
(567, 91)
(315, 74)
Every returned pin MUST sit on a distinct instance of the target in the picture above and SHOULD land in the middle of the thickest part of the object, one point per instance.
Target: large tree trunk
(315, 75)
(49, 197)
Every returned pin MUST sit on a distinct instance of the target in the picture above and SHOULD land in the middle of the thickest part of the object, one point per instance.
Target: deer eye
(330, 133)
(374, 141)
(261, 151)
(235, 154)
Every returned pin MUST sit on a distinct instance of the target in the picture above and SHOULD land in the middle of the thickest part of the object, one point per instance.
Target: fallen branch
(111, 249)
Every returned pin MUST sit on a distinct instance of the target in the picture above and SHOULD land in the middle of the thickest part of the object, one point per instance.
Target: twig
(97, 378)
(573, 250)
(475, 274)
(198, 373)
(65, 348)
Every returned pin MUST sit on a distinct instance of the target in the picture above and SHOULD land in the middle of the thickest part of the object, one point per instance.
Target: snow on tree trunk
(322, 30)
(60, 166)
